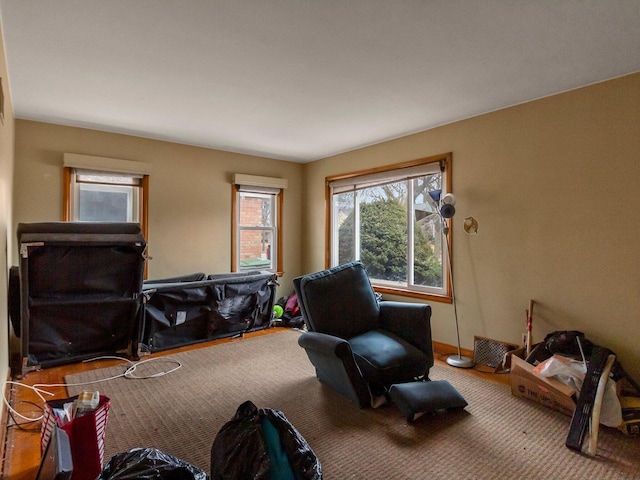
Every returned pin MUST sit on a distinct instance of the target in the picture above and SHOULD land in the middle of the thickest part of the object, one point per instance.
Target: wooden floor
(22, 450)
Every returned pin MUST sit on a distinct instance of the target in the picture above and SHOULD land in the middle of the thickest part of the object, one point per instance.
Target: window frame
(69, 205)
(143, 199)
(236, 228)
(445, 161)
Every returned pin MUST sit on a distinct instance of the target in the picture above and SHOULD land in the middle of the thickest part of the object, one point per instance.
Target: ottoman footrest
(414, 399)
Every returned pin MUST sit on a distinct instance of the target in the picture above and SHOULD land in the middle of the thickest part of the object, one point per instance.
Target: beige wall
(189, 194)
(555, 186)
(7, 135)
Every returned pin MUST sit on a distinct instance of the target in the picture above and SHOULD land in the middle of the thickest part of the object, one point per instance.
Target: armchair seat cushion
(385, 358)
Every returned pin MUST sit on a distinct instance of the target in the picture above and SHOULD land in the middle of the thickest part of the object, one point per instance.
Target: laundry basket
(86, 435)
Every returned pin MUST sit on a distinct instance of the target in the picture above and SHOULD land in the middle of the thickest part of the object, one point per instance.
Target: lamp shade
(435, 194)
(447, 210)
(449, 199)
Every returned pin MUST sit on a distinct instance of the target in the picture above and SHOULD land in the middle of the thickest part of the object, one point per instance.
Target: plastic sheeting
(181, 311)
(80, 290)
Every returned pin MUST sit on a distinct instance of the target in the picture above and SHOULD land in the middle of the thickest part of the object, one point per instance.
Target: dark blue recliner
(360, 346)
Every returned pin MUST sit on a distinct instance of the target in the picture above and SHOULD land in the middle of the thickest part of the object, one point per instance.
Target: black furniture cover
(80, 290)
(185, 310)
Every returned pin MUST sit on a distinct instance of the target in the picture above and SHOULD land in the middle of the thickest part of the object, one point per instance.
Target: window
(257, 223)
(98, 189)
(387, 219)
(105, 196)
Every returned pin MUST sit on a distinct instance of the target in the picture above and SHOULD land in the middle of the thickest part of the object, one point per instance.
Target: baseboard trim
(440, 348)
(4, 424)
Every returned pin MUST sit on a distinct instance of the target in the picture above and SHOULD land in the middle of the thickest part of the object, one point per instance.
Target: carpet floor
(496, 436)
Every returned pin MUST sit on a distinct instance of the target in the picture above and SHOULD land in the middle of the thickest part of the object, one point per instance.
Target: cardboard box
(506, 363)
(548, 391)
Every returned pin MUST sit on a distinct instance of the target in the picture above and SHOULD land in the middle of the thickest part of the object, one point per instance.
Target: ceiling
(300, 80)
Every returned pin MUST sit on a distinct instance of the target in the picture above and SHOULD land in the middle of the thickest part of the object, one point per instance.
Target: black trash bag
(291, 314)
(566, 342)
(296, 322)
(149, 464)
(261, 444)
(563, 342)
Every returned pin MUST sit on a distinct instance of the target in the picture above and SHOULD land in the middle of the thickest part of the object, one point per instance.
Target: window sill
(412, 294)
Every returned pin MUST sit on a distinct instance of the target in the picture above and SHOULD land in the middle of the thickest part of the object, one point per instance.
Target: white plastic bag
(568, 371)
(611, 413)
(572, 372)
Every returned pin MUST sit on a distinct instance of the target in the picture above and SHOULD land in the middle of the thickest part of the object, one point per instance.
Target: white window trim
(273, 228)
(132, 192)
(262, 185)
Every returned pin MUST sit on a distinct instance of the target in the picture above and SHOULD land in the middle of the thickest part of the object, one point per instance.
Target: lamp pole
(458, 360)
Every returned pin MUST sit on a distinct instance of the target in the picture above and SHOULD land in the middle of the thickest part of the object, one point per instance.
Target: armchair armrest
(333, 359)
(411, 322)
(326, 344)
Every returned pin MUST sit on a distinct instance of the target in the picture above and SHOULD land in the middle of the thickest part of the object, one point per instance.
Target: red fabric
(292, 305)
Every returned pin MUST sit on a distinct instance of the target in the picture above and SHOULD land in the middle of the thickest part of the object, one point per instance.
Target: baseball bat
(529, 326)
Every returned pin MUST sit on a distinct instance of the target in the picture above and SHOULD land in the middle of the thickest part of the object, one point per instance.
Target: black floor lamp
(447, 210)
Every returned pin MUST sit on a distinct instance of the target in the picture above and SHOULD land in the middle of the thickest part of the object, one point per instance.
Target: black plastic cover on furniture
(190, 309)
(360, 346)
(80, 291)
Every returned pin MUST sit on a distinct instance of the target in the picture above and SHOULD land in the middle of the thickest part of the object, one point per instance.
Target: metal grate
(490, 352)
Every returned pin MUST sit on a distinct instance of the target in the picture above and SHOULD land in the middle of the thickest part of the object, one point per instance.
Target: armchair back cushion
(336, 294)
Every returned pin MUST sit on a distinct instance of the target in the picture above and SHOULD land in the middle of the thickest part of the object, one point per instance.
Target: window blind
(381, 178)
(253, 182)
